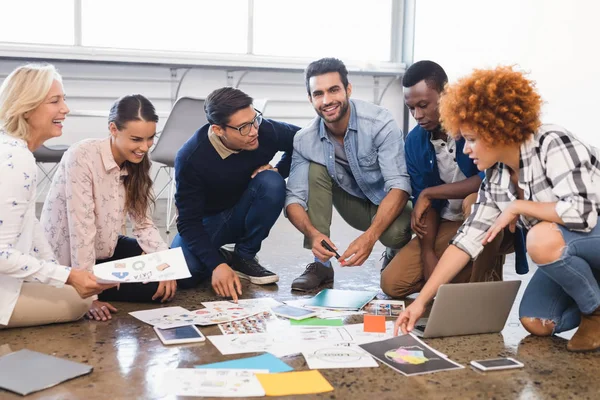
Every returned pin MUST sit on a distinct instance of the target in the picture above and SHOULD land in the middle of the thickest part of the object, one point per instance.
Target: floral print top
(25, 254)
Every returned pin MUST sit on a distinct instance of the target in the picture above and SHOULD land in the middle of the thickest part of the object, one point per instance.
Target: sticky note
(318, 322)
(297, 382)
(374, 323)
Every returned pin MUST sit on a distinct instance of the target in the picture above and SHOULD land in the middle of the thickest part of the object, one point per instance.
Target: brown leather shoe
(587, 337)
(314, 275)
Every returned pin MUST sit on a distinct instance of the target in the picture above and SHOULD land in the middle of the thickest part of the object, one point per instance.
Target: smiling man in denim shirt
(351, 157)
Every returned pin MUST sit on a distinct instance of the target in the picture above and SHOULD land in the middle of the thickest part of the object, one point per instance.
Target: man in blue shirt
(227, 192)
(350, 157)
(444, 184)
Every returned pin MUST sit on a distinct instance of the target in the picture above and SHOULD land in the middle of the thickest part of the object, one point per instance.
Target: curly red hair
(500, 105)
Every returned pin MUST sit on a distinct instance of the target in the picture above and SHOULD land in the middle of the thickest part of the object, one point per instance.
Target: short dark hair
(324, 66)
(432, 73)
(222, 103)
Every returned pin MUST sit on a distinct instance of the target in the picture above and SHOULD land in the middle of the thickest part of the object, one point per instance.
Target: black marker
(328, 247)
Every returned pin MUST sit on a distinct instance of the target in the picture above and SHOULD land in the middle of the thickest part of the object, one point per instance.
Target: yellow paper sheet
(297, 382)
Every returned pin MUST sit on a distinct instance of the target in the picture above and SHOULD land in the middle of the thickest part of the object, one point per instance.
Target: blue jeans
(246, 224)
(560, 291)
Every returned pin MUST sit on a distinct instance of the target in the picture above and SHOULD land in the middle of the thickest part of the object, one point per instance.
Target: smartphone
(179, 335)
(296, 313)
(497, 364)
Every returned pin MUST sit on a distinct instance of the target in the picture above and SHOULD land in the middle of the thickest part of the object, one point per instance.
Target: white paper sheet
(359, 336)
(253, 343)
(166, 317)
(160, 266)
(264, 303)
(213, 382)
(217, 315)
(337, 355)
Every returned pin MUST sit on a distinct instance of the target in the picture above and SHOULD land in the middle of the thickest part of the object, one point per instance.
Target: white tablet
(496, 364)
(296, 313)
(179, 335)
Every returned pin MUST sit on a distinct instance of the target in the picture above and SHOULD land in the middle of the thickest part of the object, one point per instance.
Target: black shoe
(387, 256)
(249, 269)
(314, 275)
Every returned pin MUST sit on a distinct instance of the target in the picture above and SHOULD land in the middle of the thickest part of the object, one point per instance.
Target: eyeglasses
(245, 129)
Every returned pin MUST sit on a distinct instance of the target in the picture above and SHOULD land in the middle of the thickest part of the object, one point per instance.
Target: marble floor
(129, 360)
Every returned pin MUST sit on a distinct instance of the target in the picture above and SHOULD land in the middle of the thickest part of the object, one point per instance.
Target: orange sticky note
(374, 323)
(296, 382)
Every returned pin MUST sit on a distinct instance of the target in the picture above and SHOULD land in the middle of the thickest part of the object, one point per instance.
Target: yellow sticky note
(297, 382)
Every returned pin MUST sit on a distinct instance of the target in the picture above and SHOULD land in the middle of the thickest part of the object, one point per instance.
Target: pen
(328, 247)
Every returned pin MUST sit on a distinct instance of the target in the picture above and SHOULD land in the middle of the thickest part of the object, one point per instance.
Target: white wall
(556, 40)
(92, 88)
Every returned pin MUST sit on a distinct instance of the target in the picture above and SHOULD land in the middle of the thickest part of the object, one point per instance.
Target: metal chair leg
(171, 199)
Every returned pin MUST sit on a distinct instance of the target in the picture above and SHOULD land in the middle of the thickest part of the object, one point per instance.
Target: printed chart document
(27, 371)
(337, 355)
(165, 317)
(213, 382)
(409, 356)
(163, 265)
(172, 317)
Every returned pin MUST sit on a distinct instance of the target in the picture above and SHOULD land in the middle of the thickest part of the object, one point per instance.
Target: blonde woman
(32, 283)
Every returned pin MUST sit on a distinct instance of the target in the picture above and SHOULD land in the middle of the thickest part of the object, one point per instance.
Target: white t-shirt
(445, 152)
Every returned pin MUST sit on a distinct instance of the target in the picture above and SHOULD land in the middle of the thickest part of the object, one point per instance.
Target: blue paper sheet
(265, 361)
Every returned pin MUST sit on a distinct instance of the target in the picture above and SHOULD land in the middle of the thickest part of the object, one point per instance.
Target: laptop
(468, 309)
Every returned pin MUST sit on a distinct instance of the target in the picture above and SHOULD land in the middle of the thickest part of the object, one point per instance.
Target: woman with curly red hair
(539, 178)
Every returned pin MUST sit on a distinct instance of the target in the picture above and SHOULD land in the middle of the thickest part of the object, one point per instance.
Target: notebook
(340, 299)
(27, 371)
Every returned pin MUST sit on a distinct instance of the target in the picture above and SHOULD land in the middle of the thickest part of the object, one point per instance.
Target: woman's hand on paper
(100, 311)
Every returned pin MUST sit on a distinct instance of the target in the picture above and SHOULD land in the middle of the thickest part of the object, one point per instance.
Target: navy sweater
(208, 184)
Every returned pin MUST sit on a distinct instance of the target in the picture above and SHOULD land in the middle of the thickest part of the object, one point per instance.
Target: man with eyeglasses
(227, 192)
(350, 157)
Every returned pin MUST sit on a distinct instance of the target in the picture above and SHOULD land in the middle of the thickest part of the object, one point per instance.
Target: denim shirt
(374, 147)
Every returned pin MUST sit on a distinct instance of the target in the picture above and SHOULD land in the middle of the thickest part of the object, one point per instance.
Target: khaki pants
(323, 193)
(404, 274)
(40, 304)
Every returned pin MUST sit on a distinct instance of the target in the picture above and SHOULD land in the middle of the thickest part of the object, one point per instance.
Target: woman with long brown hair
(98, 183)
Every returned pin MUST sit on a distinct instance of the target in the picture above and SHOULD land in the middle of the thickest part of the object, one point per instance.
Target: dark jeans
(246, 224)
(132, 292)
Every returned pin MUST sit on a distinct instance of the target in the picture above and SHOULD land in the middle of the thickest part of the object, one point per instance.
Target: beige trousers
(404, 274)
(40, 304)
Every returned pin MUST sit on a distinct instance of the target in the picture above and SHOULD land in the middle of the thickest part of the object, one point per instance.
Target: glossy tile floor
(129, 360)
